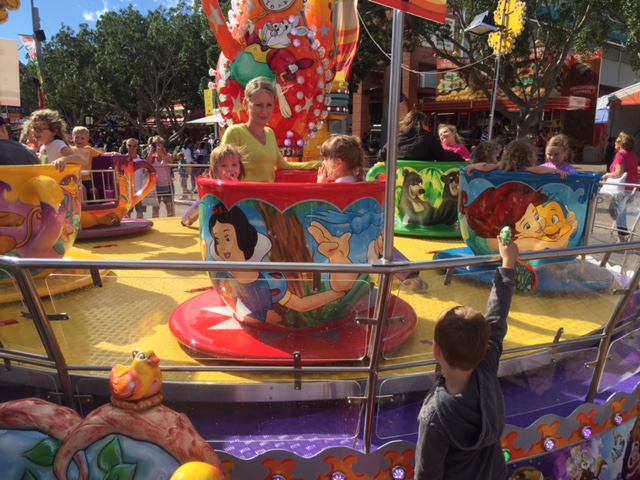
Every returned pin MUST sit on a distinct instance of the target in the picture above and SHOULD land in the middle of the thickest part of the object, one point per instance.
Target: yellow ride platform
(133, 307)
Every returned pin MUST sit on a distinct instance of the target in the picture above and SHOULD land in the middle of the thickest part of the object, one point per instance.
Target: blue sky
(53, 13)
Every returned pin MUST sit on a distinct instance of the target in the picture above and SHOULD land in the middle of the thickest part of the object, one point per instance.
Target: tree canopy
(130, 66)
(555, 28)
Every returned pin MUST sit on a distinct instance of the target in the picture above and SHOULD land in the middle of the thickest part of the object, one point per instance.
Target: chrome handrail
(20, 267)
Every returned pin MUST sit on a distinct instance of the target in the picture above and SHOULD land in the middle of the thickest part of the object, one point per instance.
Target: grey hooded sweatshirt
(459, 435)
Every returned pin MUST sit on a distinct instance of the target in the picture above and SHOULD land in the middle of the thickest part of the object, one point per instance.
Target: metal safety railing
(54, 358)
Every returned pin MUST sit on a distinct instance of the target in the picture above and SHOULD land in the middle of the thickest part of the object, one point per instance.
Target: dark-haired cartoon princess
(263, 296)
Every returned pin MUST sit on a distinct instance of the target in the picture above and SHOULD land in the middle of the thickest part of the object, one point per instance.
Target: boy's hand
(509, 253)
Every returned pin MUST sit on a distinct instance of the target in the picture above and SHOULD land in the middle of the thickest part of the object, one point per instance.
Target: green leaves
(110, 460)
(129, 66)
(44, 452)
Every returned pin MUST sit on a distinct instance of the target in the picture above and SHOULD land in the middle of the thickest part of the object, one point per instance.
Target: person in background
(182, 173)
(88, 153)
(162, 161)
(140, 175)
(415, 143)
(558, 154)
(188, 151)
(262, 156)
(49, 130)
(463, 415)
(12, 152)
(365, 143)
(451, 141)
(201, 156)
(625, 161)
(26, 138)
(610, 152)
(540, 142)
(343, 160)
(484, 136)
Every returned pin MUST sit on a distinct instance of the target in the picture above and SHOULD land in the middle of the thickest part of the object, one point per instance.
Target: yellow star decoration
(510, 29)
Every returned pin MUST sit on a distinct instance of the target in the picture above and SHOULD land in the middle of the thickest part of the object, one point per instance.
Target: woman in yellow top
(261, 156)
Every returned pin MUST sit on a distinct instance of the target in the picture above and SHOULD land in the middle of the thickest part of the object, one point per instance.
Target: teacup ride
(113, 177)
(543, 213)
(426, 197)
(272, 317)
(40, 210)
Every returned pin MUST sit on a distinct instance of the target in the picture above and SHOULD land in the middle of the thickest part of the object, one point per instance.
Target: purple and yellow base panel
(41, 439)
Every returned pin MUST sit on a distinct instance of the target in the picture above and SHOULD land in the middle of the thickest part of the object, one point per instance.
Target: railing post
(605, 343)
(43, 326)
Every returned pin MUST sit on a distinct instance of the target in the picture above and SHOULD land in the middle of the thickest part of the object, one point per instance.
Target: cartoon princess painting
(265, 296)
(537, 222)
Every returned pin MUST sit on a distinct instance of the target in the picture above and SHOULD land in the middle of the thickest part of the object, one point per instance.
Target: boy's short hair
(462, 333)
(80, 130)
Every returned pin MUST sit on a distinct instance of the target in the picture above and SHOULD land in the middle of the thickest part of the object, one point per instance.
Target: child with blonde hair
(226, 163)
(49, 130)
(558, 154)
(451, 141)
(88, 153)
(518, 156)
(343, 160)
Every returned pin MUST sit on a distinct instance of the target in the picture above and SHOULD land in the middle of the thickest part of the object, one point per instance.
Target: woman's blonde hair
(453, 129)
(221, 152)
(412, 121)
(562, 142)
(518, 156)
(54, 121)
(625, 140)
(348, 149)
(259, 84)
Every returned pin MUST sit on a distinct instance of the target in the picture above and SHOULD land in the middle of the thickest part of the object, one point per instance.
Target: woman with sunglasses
(625, 161)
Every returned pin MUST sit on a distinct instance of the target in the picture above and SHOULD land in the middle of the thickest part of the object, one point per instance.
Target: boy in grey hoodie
(463, 416)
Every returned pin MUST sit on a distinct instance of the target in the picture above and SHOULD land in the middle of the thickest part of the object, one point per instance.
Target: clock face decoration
(276, 5)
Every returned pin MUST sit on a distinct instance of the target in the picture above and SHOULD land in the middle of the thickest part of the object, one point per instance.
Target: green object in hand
(505, 235)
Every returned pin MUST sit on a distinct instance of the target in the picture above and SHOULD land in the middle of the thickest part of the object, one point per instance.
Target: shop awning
(553, 103)
(625, 96)
(215, 118)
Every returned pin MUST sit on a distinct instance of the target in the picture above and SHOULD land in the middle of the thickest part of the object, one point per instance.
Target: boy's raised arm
(499, 302)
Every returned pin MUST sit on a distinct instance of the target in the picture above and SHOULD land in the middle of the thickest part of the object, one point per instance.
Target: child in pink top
(451, 141)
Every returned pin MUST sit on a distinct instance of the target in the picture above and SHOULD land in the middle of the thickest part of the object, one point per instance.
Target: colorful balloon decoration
(290, 42)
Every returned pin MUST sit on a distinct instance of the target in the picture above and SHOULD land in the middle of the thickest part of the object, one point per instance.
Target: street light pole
(494, 95)
(37, 35)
